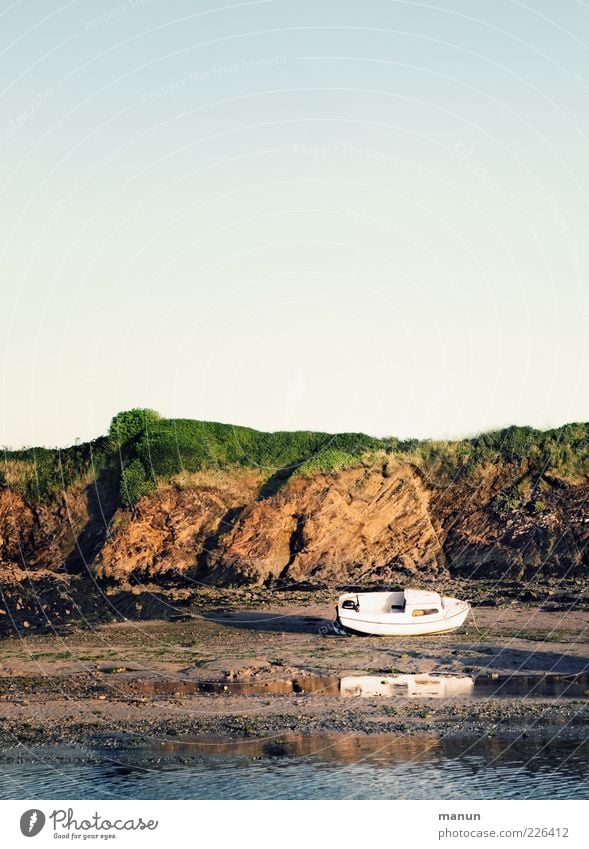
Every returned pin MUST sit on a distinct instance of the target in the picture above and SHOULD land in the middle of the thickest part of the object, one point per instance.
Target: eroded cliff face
(172, 532)
(38, 544)
(545, 537)
(40, 537)
(355, 526)
(371, 524)
(387, 523)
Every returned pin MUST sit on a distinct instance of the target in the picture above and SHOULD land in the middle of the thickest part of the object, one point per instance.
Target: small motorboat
(405, 613)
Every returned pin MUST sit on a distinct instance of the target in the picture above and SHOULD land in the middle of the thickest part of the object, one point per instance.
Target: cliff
(364, 512)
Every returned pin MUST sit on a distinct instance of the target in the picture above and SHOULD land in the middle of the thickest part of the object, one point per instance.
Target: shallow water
(330, 766)
(320, 685)
(412, 685)
(483, 686)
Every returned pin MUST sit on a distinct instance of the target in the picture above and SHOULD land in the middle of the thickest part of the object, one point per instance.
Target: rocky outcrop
(37, 544)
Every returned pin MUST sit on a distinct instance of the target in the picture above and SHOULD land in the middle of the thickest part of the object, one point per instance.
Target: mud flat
(239, 672)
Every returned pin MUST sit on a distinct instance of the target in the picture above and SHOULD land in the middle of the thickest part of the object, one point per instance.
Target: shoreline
(123, 685)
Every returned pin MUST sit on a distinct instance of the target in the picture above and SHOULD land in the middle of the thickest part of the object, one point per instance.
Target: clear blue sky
(364, 216)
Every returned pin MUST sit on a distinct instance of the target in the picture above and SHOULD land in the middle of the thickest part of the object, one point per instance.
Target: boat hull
(386, 626)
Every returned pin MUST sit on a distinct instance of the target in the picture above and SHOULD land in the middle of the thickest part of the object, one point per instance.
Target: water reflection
(333, 747)
(426, 686)
(325, 766)
(532, 686)
(327, 685)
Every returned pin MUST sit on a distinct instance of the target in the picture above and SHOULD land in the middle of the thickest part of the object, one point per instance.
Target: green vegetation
(174, 445)
(508, 501)
(563, 452)
(131, 425)
(327, 461)
(142, 447)
(134, 484)
(43, 474)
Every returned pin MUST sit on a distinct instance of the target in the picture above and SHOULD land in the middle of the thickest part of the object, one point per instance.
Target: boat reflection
(424, 685)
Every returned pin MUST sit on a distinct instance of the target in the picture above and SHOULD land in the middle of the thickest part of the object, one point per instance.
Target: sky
(293, 215)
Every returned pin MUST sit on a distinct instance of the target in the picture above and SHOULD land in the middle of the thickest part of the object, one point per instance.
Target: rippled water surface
(298, 767)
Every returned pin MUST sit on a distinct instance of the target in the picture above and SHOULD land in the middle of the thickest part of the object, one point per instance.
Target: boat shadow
(254, 620)
(505, 658)
(530, 661)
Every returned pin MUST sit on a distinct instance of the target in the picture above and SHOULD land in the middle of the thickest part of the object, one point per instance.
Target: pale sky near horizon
(293, 215)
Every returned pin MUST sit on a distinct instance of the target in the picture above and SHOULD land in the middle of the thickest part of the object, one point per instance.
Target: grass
(142, 449)
(174, 445)
(43, 474)
(330, 460)
(63, 655)
(561, 452)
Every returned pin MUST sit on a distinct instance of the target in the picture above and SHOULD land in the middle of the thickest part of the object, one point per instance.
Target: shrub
(328, 461)
(134, 484)
(130, 425)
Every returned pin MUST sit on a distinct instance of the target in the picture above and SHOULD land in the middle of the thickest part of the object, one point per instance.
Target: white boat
(406, 613)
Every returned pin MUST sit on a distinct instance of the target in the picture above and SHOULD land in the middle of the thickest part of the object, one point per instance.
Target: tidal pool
(425, 685)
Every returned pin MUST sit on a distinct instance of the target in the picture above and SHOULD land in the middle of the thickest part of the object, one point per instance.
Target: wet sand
(262, 671)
